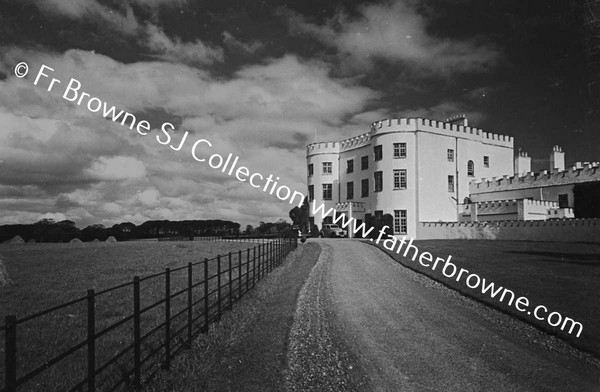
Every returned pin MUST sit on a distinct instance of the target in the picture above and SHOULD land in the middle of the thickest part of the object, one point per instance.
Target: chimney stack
(557, 159)
(522, 164)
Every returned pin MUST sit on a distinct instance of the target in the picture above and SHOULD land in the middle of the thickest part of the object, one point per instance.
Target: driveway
(408, 333)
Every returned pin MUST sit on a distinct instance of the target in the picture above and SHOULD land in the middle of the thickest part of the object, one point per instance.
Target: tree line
(48, 230)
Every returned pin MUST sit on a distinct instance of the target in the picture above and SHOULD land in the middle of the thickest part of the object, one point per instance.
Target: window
(378, 152)
(399, 150)
(311, 192)
(310, 169)
(399, 178)
(326, 167)
(470, 169)
(349, 190)
(400, 226)
(350, 166)
(486, 161)
(450, 183)
(450, 154)
(378, 181)
(327, 191)
(364, 163)
(563, 201)
(364, 188)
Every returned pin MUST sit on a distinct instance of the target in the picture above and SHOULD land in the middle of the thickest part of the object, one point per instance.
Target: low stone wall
(563, 230)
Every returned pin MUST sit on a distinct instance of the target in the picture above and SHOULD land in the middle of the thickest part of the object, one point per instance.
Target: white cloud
(83, 165)
(115, 168)
(149, 197)
(395, 32)
(175, 50)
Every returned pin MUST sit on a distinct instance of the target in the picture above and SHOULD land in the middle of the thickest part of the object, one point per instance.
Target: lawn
(46, 275)
(564, 277)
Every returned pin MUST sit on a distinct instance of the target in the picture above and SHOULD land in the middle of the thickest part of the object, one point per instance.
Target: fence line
(201, 303)
(259, 240)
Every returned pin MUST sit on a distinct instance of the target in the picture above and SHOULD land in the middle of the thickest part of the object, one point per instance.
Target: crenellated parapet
(323, 148)
(571, 222)
(575, 174)
(439, 127)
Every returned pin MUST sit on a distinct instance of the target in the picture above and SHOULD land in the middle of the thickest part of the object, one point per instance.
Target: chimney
(557, 159)
(460, 119)
(522, 164)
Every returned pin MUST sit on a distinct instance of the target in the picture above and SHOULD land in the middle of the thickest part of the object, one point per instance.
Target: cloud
(234, 44)
(175, 50)
(394, 32)
(115, 168)
(56, 216)
(122, 20)
(60, 157)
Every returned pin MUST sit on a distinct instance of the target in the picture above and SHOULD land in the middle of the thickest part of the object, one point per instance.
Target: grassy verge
(564, 277)
(246, 351)
(46, 275)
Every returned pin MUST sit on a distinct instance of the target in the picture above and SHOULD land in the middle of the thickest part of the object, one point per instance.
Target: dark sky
(259, 79)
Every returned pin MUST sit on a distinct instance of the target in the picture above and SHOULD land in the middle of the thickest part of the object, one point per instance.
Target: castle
(422, 171)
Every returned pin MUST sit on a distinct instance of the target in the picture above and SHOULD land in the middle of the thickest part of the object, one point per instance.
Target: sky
(261, 80)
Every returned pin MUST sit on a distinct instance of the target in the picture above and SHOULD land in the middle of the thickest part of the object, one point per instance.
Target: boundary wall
(560, 230)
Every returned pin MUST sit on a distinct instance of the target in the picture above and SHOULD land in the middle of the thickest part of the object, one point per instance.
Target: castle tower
(557, 159)
(522, 164)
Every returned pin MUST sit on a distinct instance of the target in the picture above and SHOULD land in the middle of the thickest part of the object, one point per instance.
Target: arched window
(470, 169)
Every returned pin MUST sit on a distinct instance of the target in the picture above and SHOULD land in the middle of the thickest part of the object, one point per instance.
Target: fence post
(219, 287)
(91, 341)
(190, 304)
(253, 266)
(247, 268)
(230, 287)
(167, 318)
(259, 261)
(137, 381)
(240, 274)
(206, 302)
(11, 353)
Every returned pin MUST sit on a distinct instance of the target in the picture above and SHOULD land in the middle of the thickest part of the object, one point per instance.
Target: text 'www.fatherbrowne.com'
(451, 271)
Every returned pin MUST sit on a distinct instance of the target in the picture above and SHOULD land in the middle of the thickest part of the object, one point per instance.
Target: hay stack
(15, 240)
(75, 241)
(95, 240)
(31, 241)
(111, 239)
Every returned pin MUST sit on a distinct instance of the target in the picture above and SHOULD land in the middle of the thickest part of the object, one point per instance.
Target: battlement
(576, 174)
(517, 223)
(441, 127)
(323, 148)
(340, 146)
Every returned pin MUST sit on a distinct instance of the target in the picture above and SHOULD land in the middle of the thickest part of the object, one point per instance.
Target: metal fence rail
(193, 297)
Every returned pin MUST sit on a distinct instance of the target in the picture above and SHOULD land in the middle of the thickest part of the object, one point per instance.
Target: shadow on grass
(571, 258)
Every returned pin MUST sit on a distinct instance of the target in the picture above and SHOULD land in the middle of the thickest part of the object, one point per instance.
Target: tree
(299, 215)
(249, 229)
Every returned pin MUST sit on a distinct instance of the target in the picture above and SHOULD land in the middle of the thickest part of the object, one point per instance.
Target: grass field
(46, 275)
(564, 277)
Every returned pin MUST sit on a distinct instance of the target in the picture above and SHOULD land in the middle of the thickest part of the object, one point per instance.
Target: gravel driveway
(364, 322)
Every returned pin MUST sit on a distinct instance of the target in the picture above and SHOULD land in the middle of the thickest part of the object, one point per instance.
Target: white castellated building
(413, 169)
(423, 171)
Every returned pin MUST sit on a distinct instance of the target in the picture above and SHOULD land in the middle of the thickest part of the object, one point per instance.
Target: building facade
(413, 169)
